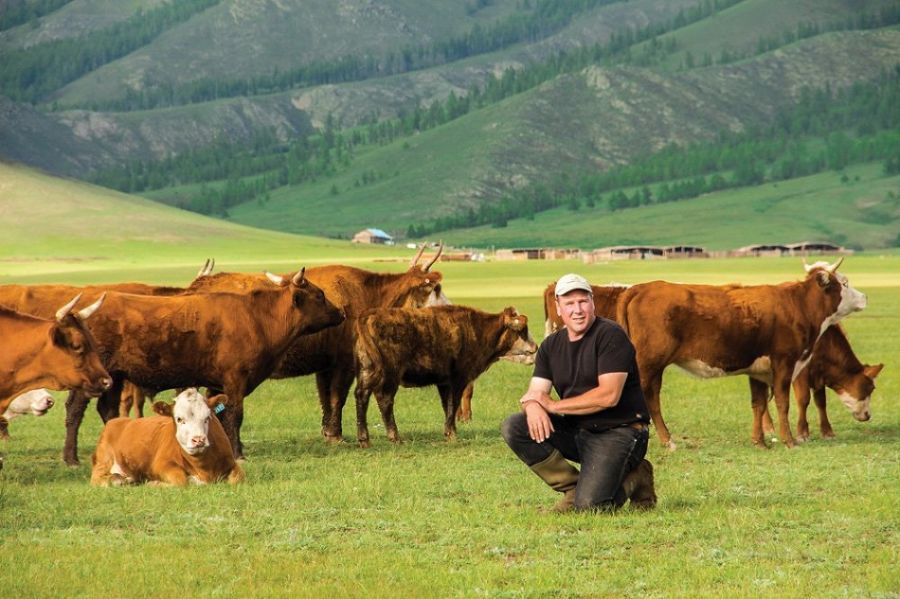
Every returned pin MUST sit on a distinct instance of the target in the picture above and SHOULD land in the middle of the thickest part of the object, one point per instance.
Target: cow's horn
(277, 279)
(207, 268)
(834, 266)
(418, 255)
(298, 278)
(64, 311)
(86, 313)
(806, 266)
(436, 256)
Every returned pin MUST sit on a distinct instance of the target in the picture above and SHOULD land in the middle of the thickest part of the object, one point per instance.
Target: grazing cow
(714, 331)
(58, 354)
(447, 346)
(329, 353)
(833, 365)
(184, 444)
(37, 402)
(226, 341)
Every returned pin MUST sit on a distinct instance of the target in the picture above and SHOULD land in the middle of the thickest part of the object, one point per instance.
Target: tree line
(30, 74)
(19, 12)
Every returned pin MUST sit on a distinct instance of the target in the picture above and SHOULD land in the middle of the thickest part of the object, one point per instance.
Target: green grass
(429, 518)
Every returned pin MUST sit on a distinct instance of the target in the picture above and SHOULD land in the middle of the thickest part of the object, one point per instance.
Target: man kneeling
(185, 443)
(601, 420)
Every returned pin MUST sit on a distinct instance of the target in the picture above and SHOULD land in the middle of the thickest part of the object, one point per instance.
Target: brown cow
(850, 379)
(447, 346)
(222, 340)
(183, 444)
(833, 365)
(58, 354)
(715, 331)
(329, 353)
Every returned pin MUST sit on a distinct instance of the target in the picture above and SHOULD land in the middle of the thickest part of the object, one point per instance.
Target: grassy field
(428, 518)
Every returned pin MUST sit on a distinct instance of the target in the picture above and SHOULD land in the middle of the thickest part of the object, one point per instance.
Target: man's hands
(537, 407)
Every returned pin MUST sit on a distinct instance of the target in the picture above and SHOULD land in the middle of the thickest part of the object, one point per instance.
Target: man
(601, 420)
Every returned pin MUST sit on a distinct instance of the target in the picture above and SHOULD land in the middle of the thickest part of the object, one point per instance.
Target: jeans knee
(508, 428)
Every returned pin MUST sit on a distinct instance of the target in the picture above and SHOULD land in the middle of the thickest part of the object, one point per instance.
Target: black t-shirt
(573, 367)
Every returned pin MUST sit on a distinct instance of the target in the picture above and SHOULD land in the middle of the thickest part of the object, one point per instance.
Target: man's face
(576, 309)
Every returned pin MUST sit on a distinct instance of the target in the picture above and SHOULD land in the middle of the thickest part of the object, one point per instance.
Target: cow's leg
(801, 396)
(331, 430)
(651, 381)
(464, 413)
(782, 386)
(108, 402)
(362, 407)
(233, 416)
(76, 404)
(385, 398)
(451, 404)
(759, 402)
(824, 424)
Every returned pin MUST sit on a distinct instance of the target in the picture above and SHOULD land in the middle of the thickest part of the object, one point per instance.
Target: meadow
(434, 519)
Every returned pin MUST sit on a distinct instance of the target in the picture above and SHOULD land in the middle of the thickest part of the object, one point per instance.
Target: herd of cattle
(231, 331)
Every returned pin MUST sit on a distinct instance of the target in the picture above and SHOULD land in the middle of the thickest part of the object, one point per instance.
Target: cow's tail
(622, 310)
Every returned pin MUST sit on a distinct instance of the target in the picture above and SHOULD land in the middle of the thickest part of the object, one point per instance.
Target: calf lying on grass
(447, 346)
(183, 444)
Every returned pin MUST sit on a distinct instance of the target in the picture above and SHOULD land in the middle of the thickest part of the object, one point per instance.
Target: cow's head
(37, 402)
(515, 335)
(419, 286)
(851, 300)
(73, 359)
(306, 297)
(856, 392)
(191, 413)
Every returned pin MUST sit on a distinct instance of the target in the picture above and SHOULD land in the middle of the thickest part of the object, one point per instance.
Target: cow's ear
(872, 371)
(516, 322)
(215, 400)
(162, 408)
(823, 277)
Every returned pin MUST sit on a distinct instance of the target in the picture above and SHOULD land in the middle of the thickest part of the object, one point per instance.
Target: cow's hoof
(364, 443)
(670, 445)
(760, 444)
(334, 439)
(828, 435)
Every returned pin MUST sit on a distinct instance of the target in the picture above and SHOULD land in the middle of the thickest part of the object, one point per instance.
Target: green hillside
(60, 225)
(863, 212)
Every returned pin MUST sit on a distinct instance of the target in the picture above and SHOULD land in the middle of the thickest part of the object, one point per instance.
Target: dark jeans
(605, 457)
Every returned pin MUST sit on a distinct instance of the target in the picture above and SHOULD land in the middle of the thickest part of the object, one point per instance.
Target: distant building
(811, 248)
(624, 252)
(762, 249)
(373, 236)
(537, 254)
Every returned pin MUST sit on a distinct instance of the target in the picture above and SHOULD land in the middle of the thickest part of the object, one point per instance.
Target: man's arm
(538, 395)
(605, 395)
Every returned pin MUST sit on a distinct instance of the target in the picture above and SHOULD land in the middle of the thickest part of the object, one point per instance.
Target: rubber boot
(638, 486)
(561, 476)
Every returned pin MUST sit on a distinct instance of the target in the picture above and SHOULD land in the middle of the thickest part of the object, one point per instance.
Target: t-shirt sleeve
(615, 352)
(542, 363)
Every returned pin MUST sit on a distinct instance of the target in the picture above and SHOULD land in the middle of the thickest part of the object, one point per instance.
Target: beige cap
(571, 282)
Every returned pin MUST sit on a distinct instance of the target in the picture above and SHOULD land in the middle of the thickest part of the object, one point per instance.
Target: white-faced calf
(184, 444)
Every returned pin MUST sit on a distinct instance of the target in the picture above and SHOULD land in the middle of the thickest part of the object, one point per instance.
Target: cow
(184, 444)
(59, 354)
(464, 413)
(834, 365)
(447, 346)
(329, 353)
(228, 341)
(714, 331)
(36, 402)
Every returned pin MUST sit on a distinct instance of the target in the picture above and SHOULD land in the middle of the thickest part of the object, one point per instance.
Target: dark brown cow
(58, 354)
(833, 365)
(228, 341)
(716, 331)
(329, 353)
(184, 444)
(447, 346)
